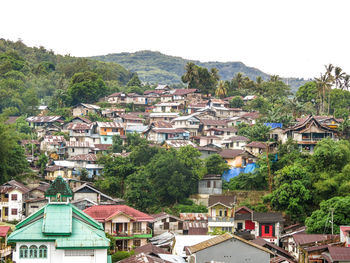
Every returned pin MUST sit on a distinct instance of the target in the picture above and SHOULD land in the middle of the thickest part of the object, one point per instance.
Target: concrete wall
(90, 196)
(58, 255)
(233, 251)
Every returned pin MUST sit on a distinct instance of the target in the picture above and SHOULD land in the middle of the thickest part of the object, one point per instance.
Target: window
(225, 213)
(34, 206)
(237, 143)
(79, 253)
(72, 150)
(14, 211)
(208, 184)
(43, 251)
(220, 213)
(214, 184)
(137, 242)
(33, 251)
(267, 229)
(14, 197)
(136, 226)
(239, 226)
(23, 252)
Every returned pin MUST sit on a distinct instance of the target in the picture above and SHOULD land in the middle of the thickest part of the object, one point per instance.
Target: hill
(155, 67)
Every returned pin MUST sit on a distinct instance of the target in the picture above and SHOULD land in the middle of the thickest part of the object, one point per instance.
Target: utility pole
(332, 218)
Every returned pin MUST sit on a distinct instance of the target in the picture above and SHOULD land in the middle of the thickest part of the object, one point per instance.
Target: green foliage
(257, 132)
(86, 87)
(248, 181)
(134, 81)
(215, 164)
(291, 198)
(236, 102)
(189, 207)
(120, 255)
(12, 159)
(319, 221)
(42, 162)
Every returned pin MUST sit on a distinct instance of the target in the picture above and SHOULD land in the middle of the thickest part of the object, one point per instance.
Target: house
(33, 205)
(227, 248)
(206, 151)
(308, 132)
(221, 213)
(185, 95)
(237, 158)
(235, 121)
(162, 87)
(52, 172)
(194, 223)
(256, 148)
(267, 225)
(53, 144)
(159, 135)
(177, 144)
(128, 225)
(45, 125)
(74, 148)
(12, 196)
(301, 244)
(206, 124)
(251, 116)
(249, 98)
(86, 192)
(168, 107)
(210, 140)
(189, 123)
(144, 258)
(164, 222)
(235, 142)
(210, 184)
(59, 232)
(107, 130)
(223, 133)
(166, 98)
(164, 116)
(192, 108)
(83, 109)
(337, 255)
(83, 132)
(283, 255)
(5, 249)
(88, 162)
(131, 119)
(112, 113)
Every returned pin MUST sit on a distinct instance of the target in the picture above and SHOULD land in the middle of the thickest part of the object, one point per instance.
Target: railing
(130, 233)
(221, 219)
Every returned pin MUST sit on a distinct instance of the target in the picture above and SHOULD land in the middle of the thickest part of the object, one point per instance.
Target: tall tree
(191, 75)
(221, 90)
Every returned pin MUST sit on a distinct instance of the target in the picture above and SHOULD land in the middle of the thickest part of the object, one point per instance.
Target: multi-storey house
(128, 225)
(221, 213)
(84, 109)
(12, 197)
(189, 123)
(107, 130)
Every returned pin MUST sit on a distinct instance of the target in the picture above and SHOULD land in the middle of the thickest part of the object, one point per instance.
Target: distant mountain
(155, 67)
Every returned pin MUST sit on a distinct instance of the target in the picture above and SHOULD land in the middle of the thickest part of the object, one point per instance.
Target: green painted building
(59, 232)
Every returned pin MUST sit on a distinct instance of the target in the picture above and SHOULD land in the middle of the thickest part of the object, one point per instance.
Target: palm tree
(339, 76)
(221, 90)
(258, 84)
(275, 78)
(239, 80)
(191, 75)
(324, 82)
(346, 82)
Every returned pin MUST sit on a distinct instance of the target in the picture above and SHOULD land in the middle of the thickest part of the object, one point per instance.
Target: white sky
(292, 38)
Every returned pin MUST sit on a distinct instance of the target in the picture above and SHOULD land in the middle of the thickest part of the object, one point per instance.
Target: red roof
(301, 239)
(102, 213)
(181, 92)
(4, 230)
(260, 145)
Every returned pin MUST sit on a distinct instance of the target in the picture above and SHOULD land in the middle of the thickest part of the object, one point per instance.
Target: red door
(266, 231)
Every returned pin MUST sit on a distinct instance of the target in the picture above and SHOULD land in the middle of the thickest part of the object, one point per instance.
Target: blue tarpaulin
(273, 125)
(229, 174)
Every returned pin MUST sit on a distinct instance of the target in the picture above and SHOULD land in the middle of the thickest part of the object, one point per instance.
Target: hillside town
(62, 215)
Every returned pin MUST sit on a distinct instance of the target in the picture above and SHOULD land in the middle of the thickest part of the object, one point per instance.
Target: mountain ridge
(157, 68)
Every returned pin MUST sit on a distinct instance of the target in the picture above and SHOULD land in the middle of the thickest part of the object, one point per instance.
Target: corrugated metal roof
(57, 215)
(109, 124)
(43, 118)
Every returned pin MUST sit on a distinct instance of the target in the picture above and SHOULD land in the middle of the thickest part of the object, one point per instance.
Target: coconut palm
(221, 90)
(191, 75)
(339, 76)
(239, 80)
(324, 83)
(346, 82)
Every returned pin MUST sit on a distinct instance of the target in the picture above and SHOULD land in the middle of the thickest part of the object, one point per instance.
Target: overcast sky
(291, 38)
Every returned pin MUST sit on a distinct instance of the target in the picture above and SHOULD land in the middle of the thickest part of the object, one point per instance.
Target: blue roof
(273, 125)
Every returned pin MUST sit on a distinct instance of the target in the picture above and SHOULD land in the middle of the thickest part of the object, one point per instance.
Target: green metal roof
(64, 224)
(57, 220)
(83, 236)
(59, 186)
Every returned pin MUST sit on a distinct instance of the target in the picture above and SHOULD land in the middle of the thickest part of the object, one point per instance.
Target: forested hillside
(30, 76)
(155, 67)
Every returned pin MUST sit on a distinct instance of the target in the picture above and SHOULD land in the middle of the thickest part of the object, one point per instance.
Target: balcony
(221, 219)
(133, 234)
